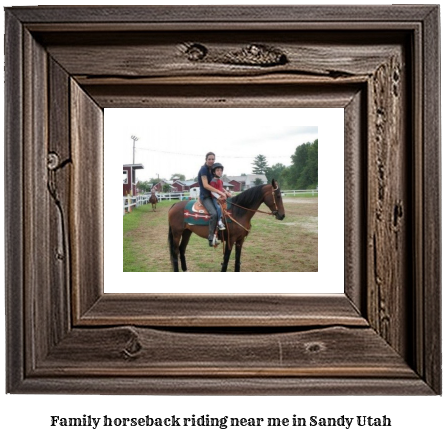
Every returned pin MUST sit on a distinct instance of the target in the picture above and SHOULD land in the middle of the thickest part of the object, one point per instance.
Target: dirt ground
(290, 245)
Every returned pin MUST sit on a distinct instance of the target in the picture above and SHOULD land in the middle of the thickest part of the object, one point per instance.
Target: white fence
(130, 202)
(313, 192)
(169, 196)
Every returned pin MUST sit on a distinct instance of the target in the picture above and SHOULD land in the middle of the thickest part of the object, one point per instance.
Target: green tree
(260, 165)
(275, 172)
(166, 188)
(303, 173)
(258, 181)
(144, 186)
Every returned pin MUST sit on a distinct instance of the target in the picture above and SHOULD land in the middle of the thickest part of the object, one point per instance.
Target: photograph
(220, 176)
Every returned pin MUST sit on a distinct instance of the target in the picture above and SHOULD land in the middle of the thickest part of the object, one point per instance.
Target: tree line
(302, 174)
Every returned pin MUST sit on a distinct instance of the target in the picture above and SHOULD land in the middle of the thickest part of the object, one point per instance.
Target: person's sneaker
(221, 225)
(214, 241)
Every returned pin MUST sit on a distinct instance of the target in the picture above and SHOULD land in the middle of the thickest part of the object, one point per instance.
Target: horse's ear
(274, 183)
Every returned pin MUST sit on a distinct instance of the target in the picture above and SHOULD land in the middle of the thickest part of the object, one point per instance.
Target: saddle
(195, 213)
(199, 208)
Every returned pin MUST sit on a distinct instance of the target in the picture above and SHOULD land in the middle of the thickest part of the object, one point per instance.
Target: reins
(249, 209)
(229, 215)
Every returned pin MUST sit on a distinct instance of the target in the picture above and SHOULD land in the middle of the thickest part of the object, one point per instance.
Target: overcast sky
(176, 140)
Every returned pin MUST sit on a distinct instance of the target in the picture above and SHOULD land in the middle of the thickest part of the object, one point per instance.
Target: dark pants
(209, 205)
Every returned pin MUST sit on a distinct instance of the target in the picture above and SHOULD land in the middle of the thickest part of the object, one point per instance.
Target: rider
(204, 182)
(217, 182)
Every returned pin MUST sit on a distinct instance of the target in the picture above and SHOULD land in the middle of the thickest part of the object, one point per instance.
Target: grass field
(290, 245)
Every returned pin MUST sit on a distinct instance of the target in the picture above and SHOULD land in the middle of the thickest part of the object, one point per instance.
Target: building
(244, 182)
(129, 180)
(183, 186)
(177, 186)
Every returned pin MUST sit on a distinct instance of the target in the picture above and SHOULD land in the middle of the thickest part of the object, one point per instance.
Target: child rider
(217, 182)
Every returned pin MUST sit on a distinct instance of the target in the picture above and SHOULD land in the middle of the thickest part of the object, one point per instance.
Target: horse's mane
(246, 199)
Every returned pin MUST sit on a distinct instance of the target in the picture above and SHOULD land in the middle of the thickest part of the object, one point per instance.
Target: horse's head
(274, 201)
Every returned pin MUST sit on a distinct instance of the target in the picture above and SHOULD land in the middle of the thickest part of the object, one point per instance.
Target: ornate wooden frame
(65, 64)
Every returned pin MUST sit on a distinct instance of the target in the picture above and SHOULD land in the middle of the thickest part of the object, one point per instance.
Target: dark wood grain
(225, 14)
(59, 173)
(355, 178)
(388, 203)
(86, 226)
(130, 351)
(234, 310)
(64, 65)
(164, 385)
(165, 55)
(14, 267)
(431, 317)
(38, 307)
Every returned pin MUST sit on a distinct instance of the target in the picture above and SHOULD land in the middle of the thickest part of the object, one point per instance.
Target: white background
(330, 124)
(30, 414)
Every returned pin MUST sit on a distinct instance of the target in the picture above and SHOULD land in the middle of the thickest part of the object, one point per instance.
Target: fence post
(123, 205)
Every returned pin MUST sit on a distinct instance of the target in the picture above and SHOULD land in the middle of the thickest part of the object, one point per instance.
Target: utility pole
(133, 148)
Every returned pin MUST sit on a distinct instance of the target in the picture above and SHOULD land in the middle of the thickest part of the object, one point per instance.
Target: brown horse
(244, 206)
(153, 201)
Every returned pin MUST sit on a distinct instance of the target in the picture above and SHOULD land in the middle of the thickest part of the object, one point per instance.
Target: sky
(176, 140)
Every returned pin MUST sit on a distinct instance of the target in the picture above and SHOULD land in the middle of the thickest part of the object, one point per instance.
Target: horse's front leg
(238, 247)
(226, 259)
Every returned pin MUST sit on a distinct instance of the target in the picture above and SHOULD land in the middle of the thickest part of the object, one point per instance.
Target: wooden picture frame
(65, 64)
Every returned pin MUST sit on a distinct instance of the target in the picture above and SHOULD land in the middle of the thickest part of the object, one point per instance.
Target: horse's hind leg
(183, 244)
(174, 241)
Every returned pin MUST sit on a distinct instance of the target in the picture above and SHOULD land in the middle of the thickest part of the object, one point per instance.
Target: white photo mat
(330, 122)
